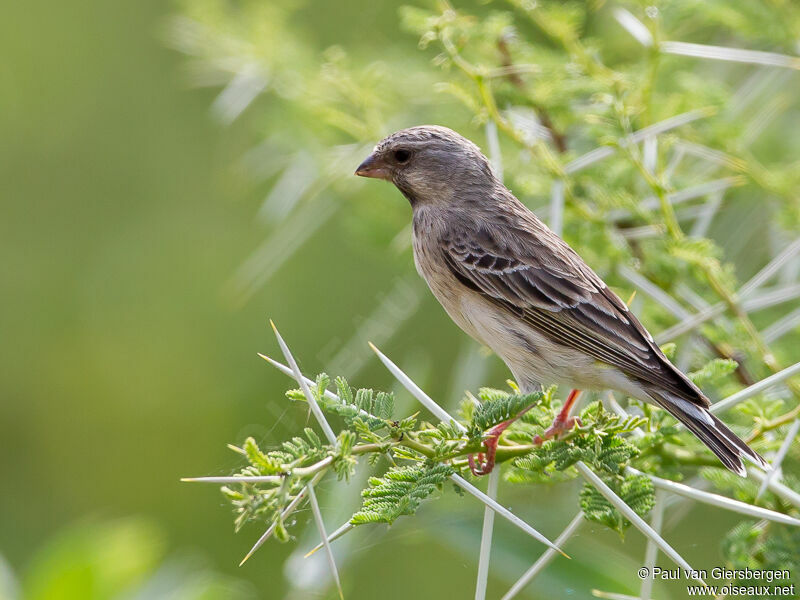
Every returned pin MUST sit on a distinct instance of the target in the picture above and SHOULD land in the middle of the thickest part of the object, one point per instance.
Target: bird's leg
(563, 422)
(485, 463)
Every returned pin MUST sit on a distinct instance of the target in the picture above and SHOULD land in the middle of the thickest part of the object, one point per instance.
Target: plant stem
(765, 426)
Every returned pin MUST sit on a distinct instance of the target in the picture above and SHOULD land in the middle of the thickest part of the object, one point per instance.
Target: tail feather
(728, 447)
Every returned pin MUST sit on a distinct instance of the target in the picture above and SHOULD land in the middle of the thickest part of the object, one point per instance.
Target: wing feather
(541, 280)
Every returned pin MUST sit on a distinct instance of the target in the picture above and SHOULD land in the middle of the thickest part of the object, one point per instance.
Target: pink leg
(484, 464)
(563, 422)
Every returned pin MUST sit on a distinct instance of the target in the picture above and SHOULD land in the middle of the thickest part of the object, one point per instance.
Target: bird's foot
(480, 465)
(563, 422)
(484, 463)
(559, 427)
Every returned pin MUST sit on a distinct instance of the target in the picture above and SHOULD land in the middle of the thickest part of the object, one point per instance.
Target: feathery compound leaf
(497, 407)
(553, 456)
(713, 371)
(373, 409)
(345, 391)
(300, 449)
(319, 389)
(760, 545)
(383, 406)
(596, 442)
(600, 422)
(266, 464)
(344, 463)
(699, 251)
(613, 452)
(635, 490)
(399, 492)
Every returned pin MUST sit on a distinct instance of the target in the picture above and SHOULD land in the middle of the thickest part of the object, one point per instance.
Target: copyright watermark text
(737, 582)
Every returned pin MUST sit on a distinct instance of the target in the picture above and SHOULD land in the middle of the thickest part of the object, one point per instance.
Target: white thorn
(613, 595)
(328, 394)
(777, 488)
(635, 519)
(415, 390)
(771, 59)
(286, 512)
(312, 497)
(651, 550)
(235, 479)
(719, 501)
(657, 128)
(650, 153)
(312, 402)
(545, 558)
(486, 537)
(343, 529)
(754, 389)
(503, 511)
(634, 26)
(776, 463)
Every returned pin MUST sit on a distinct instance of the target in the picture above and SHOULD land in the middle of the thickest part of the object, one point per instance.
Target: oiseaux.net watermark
(722, 581)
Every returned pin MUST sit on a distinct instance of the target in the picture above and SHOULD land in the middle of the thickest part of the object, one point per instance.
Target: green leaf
(399, 492)
(266, 465)
(635, 490)
(713, 371)
(497, 407)
(669, 349)
(344, 463)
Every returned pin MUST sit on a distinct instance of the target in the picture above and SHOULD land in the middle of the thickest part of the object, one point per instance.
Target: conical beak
(373, 167)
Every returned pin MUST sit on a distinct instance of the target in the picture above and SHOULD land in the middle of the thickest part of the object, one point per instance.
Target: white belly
(533, 358)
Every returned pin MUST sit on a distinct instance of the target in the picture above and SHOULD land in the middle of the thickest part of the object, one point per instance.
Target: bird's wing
(541, 280)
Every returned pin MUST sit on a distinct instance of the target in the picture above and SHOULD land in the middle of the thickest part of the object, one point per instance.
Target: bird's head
(429, 165)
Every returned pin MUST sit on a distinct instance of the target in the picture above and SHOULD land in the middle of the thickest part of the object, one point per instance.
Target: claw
(562, 423)
(558, 428)
(484, 465)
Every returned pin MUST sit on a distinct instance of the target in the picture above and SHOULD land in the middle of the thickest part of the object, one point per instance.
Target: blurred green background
(127, 362)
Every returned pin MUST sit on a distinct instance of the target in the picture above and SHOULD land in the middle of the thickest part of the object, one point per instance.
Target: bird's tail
(728, 447)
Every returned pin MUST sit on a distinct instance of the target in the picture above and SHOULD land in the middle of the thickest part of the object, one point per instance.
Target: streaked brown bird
(514, 285)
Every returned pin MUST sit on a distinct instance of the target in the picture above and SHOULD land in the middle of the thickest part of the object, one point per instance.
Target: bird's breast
(451, 294)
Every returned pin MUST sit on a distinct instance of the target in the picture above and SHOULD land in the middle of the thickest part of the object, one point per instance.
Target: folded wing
(531, 272)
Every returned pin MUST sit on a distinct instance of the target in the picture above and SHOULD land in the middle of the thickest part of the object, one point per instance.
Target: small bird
(513, 285)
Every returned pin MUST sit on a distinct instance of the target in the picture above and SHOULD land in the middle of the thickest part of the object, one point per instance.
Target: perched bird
(514, 285)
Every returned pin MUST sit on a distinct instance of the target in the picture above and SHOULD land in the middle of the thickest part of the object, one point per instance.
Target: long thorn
(415, 390)
(775, 265)
(635, 519)
(312, 498)
(776, 487)
(756, 388)
(486, 538)
(657, 128)
(334, 536)
(776, 463)
(651, 550)
(504, 512)
(771, 59)
(719, 501)
(312, 402)
(328, 394)
(235, 479)
(545, 558)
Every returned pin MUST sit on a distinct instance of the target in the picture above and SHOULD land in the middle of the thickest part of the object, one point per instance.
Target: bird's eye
(402, 156)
